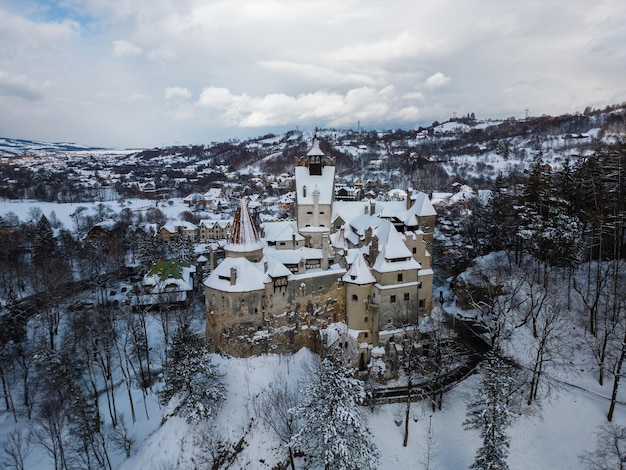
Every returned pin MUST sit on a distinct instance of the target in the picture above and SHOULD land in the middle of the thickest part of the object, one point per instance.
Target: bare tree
(272, 407)
(610, 450)
(16, 448)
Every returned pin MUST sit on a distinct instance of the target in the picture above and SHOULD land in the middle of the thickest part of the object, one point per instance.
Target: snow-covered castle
(355, 268)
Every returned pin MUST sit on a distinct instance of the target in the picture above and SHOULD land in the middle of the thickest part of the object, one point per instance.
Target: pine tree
(192, 383)
(489, 413)
(333, 433)
(44, 246)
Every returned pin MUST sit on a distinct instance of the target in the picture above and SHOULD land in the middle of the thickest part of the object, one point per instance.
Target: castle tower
(315, 193)
(361, 313)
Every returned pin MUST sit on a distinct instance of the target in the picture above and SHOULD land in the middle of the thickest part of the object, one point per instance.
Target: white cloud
(126, 49)
(264, 63)
(176, 92)
(437, 80)
(162, 53)
(17, 87)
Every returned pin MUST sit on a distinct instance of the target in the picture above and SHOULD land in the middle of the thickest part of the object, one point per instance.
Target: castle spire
(244, 237)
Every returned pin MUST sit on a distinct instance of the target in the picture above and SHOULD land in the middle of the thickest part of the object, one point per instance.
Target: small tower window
(303, 191)
(354, 298)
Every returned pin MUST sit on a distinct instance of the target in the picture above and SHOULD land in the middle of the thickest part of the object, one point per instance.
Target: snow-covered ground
(552, 438)
(64, 211)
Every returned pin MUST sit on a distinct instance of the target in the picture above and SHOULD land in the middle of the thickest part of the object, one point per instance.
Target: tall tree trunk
(616, 377)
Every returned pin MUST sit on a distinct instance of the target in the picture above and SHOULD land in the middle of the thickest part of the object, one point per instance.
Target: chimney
(373, 250)
(233, 276)
(409, 191)
(325, 251)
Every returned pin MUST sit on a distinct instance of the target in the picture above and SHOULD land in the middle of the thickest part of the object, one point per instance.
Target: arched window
(303, 191)
(355, 298)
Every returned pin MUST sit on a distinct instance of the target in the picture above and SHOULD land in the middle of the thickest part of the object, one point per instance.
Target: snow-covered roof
(249, 276)
(281, 231)
(348, 210)
(315, 149)
(244, 236)
(359, 273)
(276, 269)
(174, 226)
(393, 253)
(422, 207)
(222, 223)
(107, 224)
(293, 256)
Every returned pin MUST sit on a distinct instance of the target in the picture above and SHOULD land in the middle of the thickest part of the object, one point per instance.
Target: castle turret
(361, 313)
(244, 240)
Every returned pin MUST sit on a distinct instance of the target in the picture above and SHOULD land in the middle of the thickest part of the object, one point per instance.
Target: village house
(167, 282)
(179, 228)
(218, 229)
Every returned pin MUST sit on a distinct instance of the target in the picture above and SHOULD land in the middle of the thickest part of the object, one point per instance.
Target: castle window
(406, 296)
(414, 250)
(303, 191)
(422, 303)
(366, 334)
(400, 277)
(392, 299)
(365, 319)
(355, 298)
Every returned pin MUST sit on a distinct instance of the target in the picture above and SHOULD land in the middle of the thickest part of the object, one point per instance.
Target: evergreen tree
(193, 385)
(333, 432)
(44, 245)
(489, 412)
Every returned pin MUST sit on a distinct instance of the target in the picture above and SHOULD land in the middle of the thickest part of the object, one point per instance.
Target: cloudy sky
(143, 73)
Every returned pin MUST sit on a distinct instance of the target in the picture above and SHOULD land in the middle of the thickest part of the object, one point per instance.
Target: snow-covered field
(63, 211)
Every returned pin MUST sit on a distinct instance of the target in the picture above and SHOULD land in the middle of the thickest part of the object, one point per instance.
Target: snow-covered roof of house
(244, 236)
(359, 273)
(170, 275)
(388, 209)
(276, 269)
(213, 193)
(222, 223)
(393, 253)
(293, 256)
(354, 252)
(174, 226)
(249, 276)
(422, 207)
(348, 210)
(107, 224)
(282, 230)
